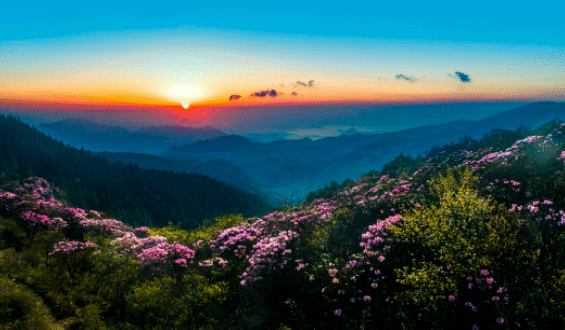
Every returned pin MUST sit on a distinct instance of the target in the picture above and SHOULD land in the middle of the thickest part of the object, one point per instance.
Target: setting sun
(185, 105)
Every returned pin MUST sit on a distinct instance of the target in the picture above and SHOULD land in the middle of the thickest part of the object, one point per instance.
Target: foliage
(470, 237)
(22, 309)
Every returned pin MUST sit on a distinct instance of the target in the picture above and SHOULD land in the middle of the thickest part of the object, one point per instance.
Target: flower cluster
(376, 236)
(66, 247)
(268, 252)
(33, 205)
(164, 254)
(476, 160)
(533, 209)
(36, 188)
(73, 215)
(110, 227)
(561, 157)
(38, 222)
(131, 245)
(483, 290)
(236, 239)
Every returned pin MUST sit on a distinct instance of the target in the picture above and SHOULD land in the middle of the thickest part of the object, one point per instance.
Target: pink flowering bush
(269, 252)
(166, 256)
(131, 245)
(237, 240)
(74, 256)
(110, 227)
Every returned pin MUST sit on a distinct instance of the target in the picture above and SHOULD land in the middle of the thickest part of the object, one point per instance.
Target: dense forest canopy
(127, 192)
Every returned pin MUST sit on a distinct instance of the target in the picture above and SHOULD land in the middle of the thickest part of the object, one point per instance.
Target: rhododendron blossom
(67, 247)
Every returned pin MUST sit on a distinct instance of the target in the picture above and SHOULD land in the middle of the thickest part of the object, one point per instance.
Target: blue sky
(536, 22)
(109, 53)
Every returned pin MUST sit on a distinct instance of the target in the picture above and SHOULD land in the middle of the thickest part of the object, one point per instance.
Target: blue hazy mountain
(80, 132)
(295, 167)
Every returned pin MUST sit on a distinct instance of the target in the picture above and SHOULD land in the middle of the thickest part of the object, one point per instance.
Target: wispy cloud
(409, 79)
(234, 97)
(264, 93)
(308, 84)
(463, 77)
(294, 93)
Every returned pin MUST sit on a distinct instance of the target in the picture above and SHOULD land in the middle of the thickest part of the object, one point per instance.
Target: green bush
(22, 309)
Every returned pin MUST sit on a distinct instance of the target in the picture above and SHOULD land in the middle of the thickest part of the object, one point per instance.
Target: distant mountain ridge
(350, 131)
(135, 195)
(337, 158)
(70, 129)
(183, 134)
(80, 132)
(350, 155)
(229, 143)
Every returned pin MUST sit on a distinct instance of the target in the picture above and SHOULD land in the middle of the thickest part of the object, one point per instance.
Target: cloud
(234, 97)
(294, 93)
(401, 76)
(309, 84)
(271, 93)
(464, 78)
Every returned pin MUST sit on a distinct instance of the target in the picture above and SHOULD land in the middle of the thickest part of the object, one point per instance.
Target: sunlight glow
(185, 105)
(184, 90)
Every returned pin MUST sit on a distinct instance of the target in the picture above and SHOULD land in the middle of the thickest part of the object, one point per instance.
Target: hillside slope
(129, 193)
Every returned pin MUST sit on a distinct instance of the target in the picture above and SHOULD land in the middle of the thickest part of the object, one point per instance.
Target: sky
(256, 66)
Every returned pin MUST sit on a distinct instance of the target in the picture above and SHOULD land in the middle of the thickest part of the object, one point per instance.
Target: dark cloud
(234, 97)
(309, 84)
(401, 76)
(271, 93)
(294, 93)
(464, 78)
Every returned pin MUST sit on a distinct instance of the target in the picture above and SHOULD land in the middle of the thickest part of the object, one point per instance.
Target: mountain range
(135, 195)
(80, 132)
(286, 168)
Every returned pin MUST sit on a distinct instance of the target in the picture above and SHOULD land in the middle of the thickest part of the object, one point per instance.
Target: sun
(185, 105)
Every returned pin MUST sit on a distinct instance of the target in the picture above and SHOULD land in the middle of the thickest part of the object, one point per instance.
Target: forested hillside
(470, 237)
(129, 193)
